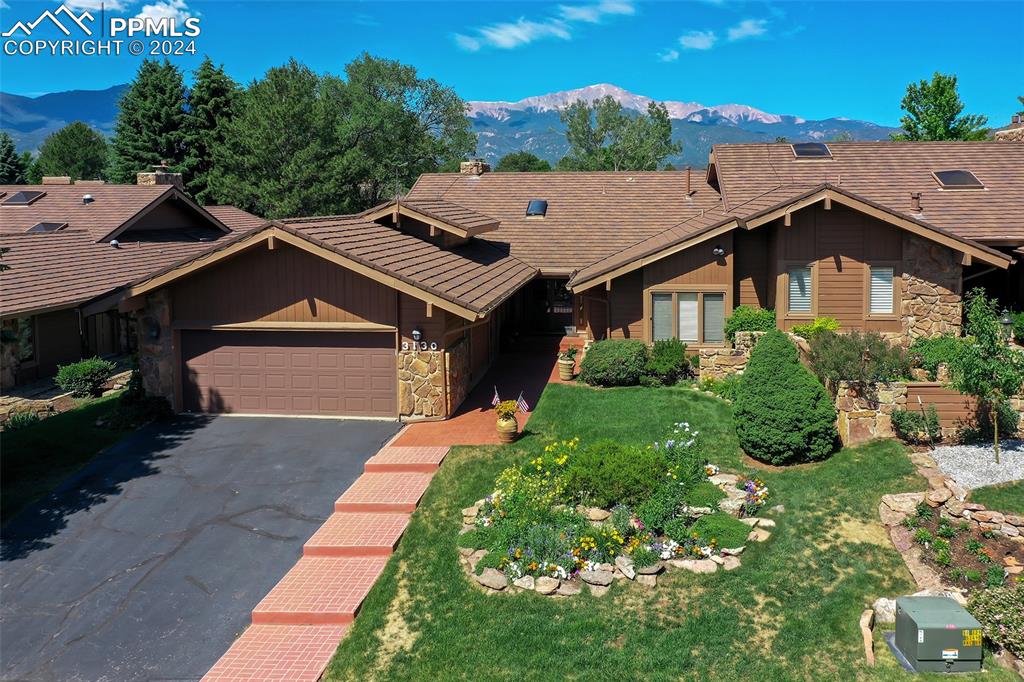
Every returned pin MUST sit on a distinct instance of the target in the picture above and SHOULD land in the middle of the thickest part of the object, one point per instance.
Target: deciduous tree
(934, 113)
(602, 136)
(521, 162)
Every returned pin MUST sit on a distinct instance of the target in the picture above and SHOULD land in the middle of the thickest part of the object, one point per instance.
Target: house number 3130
(419, 345)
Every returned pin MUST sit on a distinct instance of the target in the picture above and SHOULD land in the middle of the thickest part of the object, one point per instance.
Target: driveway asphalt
(145, 564)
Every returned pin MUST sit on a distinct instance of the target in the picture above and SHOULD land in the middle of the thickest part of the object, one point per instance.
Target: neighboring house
(399, 310)
(62, 254)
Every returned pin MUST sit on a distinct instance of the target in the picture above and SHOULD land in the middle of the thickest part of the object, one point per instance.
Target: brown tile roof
(453, 214)
(70, 266)
(477, 275)
(886, 173)
(589, 216)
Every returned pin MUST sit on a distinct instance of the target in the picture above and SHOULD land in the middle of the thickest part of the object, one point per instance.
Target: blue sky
(811, 59)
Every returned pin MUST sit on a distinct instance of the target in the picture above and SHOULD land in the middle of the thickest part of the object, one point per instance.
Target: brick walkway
(532, 367)
(298, 625)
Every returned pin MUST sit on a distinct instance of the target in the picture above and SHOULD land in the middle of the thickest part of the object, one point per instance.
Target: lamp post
(1007, 323)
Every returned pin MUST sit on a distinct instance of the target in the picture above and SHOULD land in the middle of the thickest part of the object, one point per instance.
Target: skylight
(46, 227)
(537, 208)
(958, 179)
(23, 198)
(811, 150)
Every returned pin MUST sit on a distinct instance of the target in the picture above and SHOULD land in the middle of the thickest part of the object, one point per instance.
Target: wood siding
(752, 269)
(955, 409)
(839, 245)
(626, 306)
(58, 342)
(282, 285)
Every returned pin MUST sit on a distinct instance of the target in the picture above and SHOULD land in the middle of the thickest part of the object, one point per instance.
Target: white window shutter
(881, 289)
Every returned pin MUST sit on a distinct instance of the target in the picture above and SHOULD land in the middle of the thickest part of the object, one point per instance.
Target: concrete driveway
(146, 564)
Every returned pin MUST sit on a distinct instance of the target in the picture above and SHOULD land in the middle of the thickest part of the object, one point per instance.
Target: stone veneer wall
(932, 289)
(457, 365)
(156, 356)
(718, 363)
(421, 384)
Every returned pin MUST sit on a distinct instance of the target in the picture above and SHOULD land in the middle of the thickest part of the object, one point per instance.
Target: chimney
(56, 180)
(474, 167)
(160, 176)
(915, 202)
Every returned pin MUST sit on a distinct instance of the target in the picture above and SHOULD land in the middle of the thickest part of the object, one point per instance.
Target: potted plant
(508, 427)
(567, 363)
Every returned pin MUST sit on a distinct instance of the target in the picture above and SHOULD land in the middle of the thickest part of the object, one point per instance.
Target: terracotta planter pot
(566, 368)
(508, 430)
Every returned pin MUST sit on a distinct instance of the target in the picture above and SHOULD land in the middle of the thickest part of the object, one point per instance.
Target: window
(23, 198)
(690, 316)
(880, 297)
(537, 208)
(799, 299)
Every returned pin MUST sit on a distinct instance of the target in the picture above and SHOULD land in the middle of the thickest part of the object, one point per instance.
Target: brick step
(402, 459)
(384, 492)
(320, 590)
(288, 653)
(357, 534)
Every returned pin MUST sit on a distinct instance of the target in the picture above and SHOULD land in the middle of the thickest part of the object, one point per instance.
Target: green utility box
(936, 634)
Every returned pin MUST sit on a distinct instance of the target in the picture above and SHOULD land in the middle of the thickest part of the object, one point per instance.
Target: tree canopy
(76, 150)
(521, 162)
(602, 136)
(13, 169)
(150, 122)
(933, 112)
(210, 107)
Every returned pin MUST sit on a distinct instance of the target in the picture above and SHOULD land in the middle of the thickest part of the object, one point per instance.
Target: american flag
(521, 403)
(495, 400)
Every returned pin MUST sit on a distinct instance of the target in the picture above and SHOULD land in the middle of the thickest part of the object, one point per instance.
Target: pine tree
(76, 150)
(210, 106)
(12, 165)
(150, 124)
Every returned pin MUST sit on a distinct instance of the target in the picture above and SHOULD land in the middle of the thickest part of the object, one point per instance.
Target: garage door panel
(335, 373)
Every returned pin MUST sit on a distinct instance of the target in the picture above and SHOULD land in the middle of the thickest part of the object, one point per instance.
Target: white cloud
(112, 5)
(698, 40)
(4, 5)
(509, 35)
(748, 28)
(367, 20)
(592, 14)
(668, 55)
(167, 9)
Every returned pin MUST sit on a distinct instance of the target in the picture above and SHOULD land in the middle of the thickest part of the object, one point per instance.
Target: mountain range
(531, 124)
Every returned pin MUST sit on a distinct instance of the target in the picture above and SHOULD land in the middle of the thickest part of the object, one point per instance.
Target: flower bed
(588, 515)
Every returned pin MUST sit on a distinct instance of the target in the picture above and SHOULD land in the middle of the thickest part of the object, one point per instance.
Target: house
(399, 310)
(70, 242)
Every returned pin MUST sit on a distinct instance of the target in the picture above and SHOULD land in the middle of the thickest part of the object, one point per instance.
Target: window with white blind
(691, 316)
(880, 290)
(799, 298)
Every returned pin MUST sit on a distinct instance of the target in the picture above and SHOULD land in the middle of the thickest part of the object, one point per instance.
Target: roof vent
(115, 243)
(23, 198)
(811, 150)
(915, 202)
(957, 179)
(87, 199)
(47, 227)
(537, 208)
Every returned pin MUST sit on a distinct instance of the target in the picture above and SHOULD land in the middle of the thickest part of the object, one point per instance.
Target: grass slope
(1006, 497)
(789, 613)
(38, 457)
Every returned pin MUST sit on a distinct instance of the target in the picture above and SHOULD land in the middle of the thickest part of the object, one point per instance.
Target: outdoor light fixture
(718, 251)
(1007, 323)
(417, 335)
(152, 328)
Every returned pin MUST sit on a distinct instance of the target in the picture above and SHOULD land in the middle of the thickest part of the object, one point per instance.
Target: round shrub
(1000, 610)
(746, 318)
(667, 362)
(614, 362)
(607, 473)
(86, 377)
(782, 413)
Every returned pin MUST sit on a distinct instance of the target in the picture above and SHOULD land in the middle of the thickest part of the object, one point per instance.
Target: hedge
(746, 318)
(86, 377)
(614, 362)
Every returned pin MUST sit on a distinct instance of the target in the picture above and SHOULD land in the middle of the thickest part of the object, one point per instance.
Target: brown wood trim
(208, 325)
(404, 210)
(700, 290)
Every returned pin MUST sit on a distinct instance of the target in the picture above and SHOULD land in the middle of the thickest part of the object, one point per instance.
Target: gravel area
(974, 466)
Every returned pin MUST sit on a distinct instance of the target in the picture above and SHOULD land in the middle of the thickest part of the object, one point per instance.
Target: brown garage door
(314, 373)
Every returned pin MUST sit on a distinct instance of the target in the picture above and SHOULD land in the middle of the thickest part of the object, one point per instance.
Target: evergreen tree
(76, 150)
(13, 168)
(210, 106)
(933, 113)
(150, 122)
(521, 162)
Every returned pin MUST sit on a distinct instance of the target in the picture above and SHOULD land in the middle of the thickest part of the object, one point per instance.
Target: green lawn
(38, 457)
(789, 613)
(1006, 497)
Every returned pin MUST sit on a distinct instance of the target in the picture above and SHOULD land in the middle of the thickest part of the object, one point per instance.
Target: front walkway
(529, 368)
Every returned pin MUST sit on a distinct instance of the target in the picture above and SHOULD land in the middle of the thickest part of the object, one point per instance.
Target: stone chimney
(474, 167)
(56, 180)
(160, 175)
(1014, 132)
